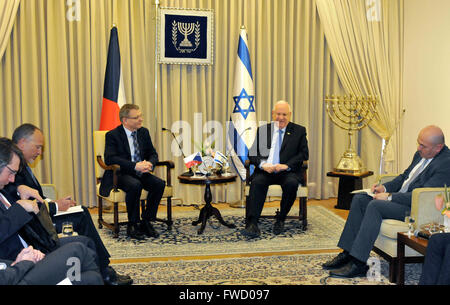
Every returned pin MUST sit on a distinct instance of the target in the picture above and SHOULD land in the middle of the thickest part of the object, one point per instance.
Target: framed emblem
(185, 36)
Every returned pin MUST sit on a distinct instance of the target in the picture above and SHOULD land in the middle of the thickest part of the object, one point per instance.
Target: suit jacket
(293, 151)
(13, 275)
(23, 177)
(11, 221)
(436, 174)
(117, 151)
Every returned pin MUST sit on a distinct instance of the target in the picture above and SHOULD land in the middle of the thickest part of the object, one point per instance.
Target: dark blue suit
(117, 151)
(365, 217)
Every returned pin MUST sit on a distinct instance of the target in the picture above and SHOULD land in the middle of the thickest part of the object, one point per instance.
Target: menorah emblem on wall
(186, 29)
(351, 113)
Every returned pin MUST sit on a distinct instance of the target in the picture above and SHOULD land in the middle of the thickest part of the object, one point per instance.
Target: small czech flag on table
(194, 159)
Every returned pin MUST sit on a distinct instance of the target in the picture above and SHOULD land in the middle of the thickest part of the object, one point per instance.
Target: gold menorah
(351, 113)
(186, 29)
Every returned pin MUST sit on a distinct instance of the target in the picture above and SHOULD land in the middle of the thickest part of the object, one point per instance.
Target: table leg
(400, 262)
(207, 211)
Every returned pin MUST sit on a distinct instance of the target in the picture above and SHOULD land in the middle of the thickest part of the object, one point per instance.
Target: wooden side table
(348, 183)
(416, 243)
(208, 210)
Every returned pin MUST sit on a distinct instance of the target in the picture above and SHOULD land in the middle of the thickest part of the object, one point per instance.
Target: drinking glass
(67, 228)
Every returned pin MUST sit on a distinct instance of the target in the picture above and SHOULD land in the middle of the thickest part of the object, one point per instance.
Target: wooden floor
(328, 204)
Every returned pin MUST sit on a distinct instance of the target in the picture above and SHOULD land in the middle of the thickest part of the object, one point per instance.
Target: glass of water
(67, 228)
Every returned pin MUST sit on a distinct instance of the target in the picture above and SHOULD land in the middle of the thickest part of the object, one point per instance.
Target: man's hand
(268, 167)
(27, 192)
(378, 188)
(29, 254)
(144, 166)
(65, 203)
(29, 205)
(381, 196)
(280, 167)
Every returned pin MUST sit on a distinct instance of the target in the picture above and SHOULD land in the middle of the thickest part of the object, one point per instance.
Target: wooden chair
(116, 195)
(276, 191)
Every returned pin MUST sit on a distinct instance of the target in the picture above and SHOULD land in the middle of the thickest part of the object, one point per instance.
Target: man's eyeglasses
(11, 171)
(135, 117)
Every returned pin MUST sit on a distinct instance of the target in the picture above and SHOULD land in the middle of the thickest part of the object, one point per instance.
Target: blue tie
(276, 153)
(137, 154)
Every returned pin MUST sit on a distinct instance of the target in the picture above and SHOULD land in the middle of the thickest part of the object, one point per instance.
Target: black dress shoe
(339, 261)
(350, 270)
(278, 227)
(147, 228)
(117, 280)
(134, 232)
(251, 230)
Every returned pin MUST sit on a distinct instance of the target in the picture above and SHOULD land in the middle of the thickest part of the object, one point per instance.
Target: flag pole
(156, 62)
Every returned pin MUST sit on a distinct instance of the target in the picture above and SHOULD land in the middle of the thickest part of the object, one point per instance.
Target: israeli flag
(242, 126)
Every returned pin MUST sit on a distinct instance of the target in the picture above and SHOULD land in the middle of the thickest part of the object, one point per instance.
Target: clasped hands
(379, 192)
(274, 168)
(29, 254)
(144, 166)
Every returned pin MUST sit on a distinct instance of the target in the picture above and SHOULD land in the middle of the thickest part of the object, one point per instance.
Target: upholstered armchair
(423, 211)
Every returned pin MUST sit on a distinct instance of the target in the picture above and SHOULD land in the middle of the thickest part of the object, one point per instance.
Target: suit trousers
(436, 268)
(83, 225)
(364, 221)
(133, 185)
(259, 186)
(56, 266)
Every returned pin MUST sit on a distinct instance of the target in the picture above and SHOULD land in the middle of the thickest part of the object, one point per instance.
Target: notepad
(74, 209)
(367, 191)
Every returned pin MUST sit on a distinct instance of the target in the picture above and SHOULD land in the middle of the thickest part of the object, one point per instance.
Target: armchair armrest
(169, 165)
(422, 205)
(113, 167)
(49, 190)
(386, 178)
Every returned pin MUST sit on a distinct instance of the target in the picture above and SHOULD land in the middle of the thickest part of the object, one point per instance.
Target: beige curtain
(8, 12)
(53, 69)
(366, 42)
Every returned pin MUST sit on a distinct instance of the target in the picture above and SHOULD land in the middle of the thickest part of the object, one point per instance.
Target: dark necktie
(32, 175)
(137, 153)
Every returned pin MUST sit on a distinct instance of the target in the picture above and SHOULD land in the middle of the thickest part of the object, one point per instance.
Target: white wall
(426, 85)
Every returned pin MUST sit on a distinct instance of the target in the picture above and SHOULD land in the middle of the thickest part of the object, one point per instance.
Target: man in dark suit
(30, 140)
(436, 268)
(277, 154)
(430, 167)
(130, 146)
(19, 262)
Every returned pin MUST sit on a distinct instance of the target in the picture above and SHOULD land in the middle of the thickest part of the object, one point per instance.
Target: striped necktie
(413, 176)
(137, 153)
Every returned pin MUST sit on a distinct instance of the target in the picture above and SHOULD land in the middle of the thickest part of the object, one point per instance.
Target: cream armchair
(423, 211)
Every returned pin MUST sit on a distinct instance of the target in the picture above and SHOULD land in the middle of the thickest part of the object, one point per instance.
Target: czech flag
(113, 91)
(194, 159)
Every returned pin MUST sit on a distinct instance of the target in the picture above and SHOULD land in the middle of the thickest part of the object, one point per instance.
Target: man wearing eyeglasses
(130, 146)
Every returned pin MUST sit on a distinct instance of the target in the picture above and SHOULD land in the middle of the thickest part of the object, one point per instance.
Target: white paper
(367, 191)
(74, 209)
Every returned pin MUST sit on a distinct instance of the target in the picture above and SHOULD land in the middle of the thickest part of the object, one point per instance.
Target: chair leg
(303, 213)
(100, 212)
(169, 213)
(116, 220)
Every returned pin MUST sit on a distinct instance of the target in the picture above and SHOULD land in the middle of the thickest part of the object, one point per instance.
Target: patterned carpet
(167, 260)
(270, 270)
(324, 229)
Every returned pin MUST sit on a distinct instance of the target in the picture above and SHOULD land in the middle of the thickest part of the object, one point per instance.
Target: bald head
(281, 113)
(430, 141)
